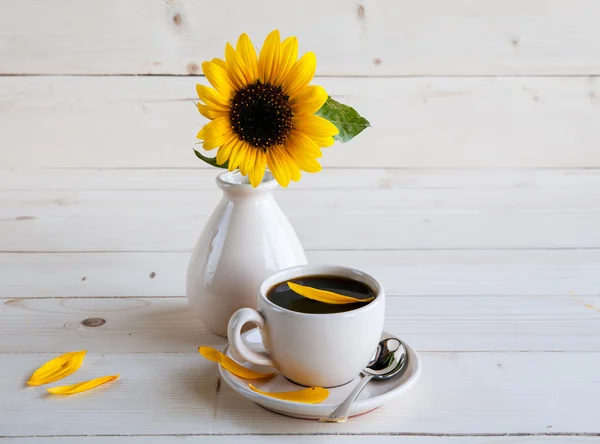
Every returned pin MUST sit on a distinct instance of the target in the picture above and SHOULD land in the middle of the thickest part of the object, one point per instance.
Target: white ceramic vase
(246, 239)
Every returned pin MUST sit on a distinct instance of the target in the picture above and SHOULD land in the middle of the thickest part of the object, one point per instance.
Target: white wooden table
(474, 198)
(489, 276)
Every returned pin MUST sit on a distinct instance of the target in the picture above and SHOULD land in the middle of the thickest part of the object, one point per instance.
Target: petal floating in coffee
(57, 368)
(311, 395)
(230, 365)
(81, 386)
(328, 297)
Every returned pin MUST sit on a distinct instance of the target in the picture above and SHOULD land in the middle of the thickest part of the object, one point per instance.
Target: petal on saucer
(230, 365)
(311, 395)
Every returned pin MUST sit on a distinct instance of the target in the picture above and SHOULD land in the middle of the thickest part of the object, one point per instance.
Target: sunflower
(262, 110)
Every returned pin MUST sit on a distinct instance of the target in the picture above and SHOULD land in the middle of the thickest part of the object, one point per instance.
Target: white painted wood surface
(520, 272)
(180, 393)
(430, 324)
(474, 197)
(322, 439)
(384, 37)
(508, 334)
(527, 214)
(447, 122)
(131, 179)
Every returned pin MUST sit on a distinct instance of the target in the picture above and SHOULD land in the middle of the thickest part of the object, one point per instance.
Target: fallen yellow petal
(328, 297)
(311, 395)
(230, 365)
(57, 368)
(81, 386)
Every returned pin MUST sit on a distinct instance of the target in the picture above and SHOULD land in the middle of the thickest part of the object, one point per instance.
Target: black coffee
(282, 295)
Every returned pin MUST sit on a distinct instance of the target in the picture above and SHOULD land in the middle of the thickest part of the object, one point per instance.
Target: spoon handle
(341, 413)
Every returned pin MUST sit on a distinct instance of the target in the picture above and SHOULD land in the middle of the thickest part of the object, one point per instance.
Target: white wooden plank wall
(420, 122)
(365, 38)
(346, 439)
(324, 439)
(474, 197)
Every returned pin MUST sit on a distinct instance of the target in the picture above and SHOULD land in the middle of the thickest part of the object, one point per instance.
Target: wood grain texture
(416, 122)
(303, 439)
(561, 181)
(364, 231)
(403, 273)
(387, 37)
(454, 199)
(466, 393)
(452, 324)
(508, 337)
(521, 217)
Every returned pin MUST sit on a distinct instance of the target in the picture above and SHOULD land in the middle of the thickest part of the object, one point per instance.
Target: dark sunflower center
(261, 114)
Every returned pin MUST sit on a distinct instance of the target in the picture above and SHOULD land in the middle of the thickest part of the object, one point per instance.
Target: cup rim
(320, 269)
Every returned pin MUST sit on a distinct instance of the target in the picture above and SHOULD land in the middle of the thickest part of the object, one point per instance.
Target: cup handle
(234, 332)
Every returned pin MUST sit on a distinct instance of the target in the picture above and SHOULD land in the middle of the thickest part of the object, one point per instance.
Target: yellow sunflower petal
(237, 155)
(220, 62)
(57, 368)
(327, 297)
(81, 386)
(216, 142)
(250, 159)
(225, 151)
(235, 146)
(288, 160)
(247, 53)
(302, 158)
(212, 97)
(307, 164)
(323, 142)
(278, 168)
(240, 157)
(218, 128)
(210, 113)
(310, 395)
(289, 55)
(238, 73)
(314, 125)
(246, 154)
(301, 74)
(309, 99)
(258, 172)
(303, 143)
(230, 365)
(268, 61)
(219, 78)
(295, 173)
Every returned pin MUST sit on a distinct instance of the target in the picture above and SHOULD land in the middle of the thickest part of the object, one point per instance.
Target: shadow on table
(168, 328)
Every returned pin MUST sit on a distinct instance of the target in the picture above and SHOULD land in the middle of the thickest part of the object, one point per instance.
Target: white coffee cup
(324, 350)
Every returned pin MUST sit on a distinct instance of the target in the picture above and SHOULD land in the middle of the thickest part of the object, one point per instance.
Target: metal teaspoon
(388, 361)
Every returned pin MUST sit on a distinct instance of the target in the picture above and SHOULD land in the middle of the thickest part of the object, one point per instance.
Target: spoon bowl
(388, 361)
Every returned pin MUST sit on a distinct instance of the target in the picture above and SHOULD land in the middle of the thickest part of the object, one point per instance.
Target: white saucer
(375, 394)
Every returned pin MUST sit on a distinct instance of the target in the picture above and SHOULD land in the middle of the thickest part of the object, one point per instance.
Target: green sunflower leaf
(349, 123)
(211, 160)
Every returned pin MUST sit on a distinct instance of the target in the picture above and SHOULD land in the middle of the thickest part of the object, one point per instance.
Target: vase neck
(238, 187)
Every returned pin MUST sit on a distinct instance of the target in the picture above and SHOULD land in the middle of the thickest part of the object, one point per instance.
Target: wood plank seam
(392, 295)
(464, 435)
(543, 114)
(590, 74)
(578, 248)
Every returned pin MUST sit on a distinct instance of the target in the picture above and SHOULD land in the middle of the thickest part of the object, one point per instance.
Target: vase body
(246, 239)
